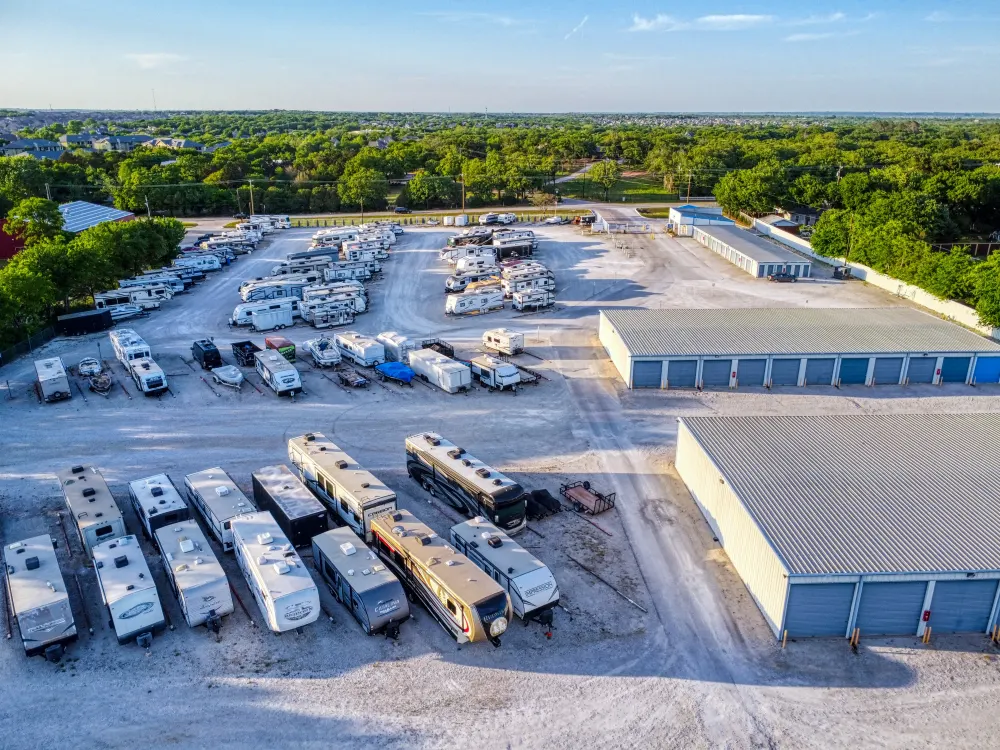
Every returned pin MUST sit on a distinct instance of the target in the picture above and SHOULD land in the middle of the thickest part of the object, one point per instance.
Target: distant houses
(120, 143)
(39, 148)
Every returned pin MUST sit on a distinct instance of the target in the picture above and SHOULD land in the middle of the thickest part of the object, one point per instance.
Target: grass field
(644, 188)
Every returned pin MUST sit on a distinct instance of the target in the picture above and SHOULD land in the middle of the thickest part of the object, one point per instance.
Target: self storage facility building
(757, 256)
(886, 523)
(729, 348)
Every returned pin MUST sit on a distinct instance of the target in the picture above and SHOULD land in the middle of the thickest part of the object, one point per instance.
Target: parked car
(401, 210)
(432, 222)
(489, 219)
(556, 220)
(781, 277)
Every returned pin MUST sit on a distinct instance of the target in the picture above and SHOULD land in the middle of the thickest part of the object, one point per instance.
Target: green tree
(986, 283)
(756, 190)
(34, 219)
(606, 173)
(420, 190)
(364, 187)
(832, 234)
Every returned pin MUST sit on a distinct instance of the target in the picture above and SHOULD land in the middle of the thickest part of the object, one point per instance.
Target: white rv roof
(48, 369)
(91, 510)
(156, 495)
(273, 361)
(392, 337)
(126, 580)
(357, 338)
(510, 557)
(219, 493)
(288, 492)
(436, 359)
(423, 442)
(126, 338)
(187, 553)
(364, 486)
(30, 589)
(361, 568)
(492, 363)
(146, 366)
(266, 546)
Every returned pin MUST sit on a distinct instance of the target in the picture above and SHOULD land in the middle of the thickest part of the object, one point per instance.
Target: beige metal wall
(765, 576)
(616, 350)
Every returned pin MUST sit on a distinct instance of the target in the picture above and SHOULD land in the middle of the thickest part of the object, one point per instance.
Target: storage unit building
(301, 516)
(754, 254)
(729, 348)
(885, 523)
(684, 219)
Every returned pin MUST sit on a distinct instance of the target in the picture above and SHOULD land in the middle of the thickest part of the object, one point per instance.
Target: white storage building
(729, 348)
(754, 254)
(885, 523)
(683, 219)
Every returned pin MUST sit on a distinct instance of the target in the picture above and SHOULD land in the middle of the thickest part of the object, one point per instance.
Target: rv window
(343, 506)
(331, 572)
(102, 531)
(227, 525)
(452, 608)
(357, 518)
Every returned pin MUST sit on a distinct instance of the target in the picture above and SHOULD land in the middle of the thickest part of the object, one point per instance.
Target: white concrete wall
(765, 576)
(616, 349)
(950, 309)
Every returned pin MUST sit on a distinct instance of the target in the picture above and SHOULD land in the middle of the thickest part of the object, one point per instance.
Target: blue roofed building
(683, 219)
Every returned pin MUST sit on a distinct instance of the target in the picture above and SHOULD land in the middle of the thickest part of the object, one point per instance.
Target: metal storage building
(754, 254)
(886, 523)
(729, 348)
(683, 219)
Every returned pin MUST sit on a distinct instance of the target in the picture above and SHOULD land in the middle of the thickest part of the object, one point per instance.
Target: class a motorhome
(360, 349)
(128, 345)
(148, 376)
(359, 580)
(91, 506)
(461, 282)
(397, 347)
(285, 592)
(53, 383)
(279, 374)
(440, 370)
(535, 300)
(301, 516)
(470, 605)
(495, 374)
(216, 497)
(195, 575)
(128, 590)
(504, 340)
(354, 494)
(243, 314)
(529, 583)
(156, 503)
(38, 597)
(475, 302)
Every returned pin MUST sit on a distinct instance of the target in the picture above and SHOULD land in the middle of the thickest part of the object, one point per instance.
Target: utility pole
(689, 186)
(251, 197)
(48, 193)
(463, 190)
(362, 209)
(149, 214)
(154, 100)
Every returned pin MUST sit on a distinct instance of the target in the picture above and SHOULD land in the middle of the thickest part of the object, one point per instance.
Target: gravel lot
(699, 669)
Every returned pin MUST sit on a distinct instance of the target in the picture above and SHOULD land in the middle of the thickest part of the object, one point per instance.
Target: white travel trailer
(470, 264)
(526, 267)
(128, 345)
(330, 315)
(173, 282)
(243, 314)
(128, 590)
(38, 597)
(307, 265)
(156, 503)
(344, 270)
(279, 374)
(534, 282)
(474, 302)
(455, 254)
(147, 296)
(504, 340)
(369, 256)
(203, 262)
(313, 252)
(442, 371)
(335, 287)
(195, 575)
(533, 300)
(92, 506)
(271, 319)
(53, 383)
(360, 349)
(148, 376)
(460, 282)
(352, 300)
(216, 497)
(386, 236)
(513, 235)
(282, 288)
(397, 347)
(354, 494)
(530, 584)
(495, 374)
(285, 592)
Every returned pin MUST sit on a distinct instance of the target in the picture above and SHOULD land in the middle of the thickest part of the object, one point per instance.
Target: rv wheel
(428, 487)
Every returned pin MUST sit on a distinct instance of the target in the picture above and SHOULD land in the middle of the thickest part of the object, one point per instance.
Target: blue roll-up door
(646, 374)
(716, 372)
(988, 370)
(962, 606)
(751, 372)
(921, 369)
(891, 608)
(955, 369)
(887, 370)
(819, 370)
(785, 371)
(819, 609)
(681, 373)
(853, 370)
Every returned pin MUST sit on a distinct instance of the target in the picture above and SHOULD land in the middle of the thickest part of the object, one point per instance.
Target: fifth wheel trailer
(38, 597)
(128, 590)
(195, 575)
(92, 506)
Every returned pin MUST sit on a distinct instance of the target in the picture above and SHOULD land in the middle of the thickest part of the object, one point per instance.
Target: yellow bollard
(784, 639)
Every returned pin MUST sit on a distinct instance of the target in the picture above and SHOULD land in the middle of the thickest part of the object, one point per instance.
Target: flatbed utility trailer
(441, 347)
(244, 352)
(352, 379)
(585, 499)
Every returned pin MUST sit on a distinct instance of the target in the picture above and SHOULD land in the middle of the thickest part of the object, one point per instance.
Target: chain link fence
(27, 347)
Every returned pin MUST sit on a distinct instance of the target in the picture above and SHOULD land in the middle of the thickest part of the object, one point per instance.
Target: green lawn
(640, 189)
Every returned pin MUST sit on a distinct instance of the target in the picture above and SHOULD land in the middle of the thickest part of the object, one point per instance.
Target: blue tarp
(396, 371)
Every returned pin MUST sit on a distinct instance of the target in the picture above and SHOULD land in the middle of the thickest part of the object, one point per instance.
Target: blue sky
(435, 55)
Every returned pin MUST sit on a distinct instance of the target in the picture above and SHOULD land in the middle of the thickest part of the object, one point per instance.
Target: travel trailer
(201, 262)
(360, 349)
(195, 575)
(533, 282)
(219, 500)
(461, 282)
(128, 591)
(91, 506)
(328, 314)
(322, 289)
(282, 288)
(470, 605)
(146, 296)
(53, 384)
(38, 597)
(156, 503)
(471, 264)
(533, 300)
(352, 493)
(346, 270)
(279, 374)
(358, 580)
(305, 265)
(444, 372)
(397, 347)
(278, 491)
(504, 340)
(243, 314)
(475, 302)
(172, 281)
(495, 374)
(285, 592)
(529, 583)
(464, 482)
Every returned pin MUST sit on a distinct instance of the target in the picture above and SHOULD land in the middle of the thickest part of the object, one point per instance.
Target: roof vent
(310, 437)
(396, 516)
(449, 563)
(181, 568)
(153, 511)
(348, 549)
(96, 515)
(156, 491)
(31, 563)
(365, 485)
(222, 490)
(341, 464)
(265, 538)
(262, 560)
(424, 539)
(377, 568)
(484, 473)
(432, 439)
(89, 492)
(77, 469)
(466, 462)
(494, 541)
(398, 531)
(281, 568)
(121, 561)
(130, 587)
(497, 481)
(186, 544)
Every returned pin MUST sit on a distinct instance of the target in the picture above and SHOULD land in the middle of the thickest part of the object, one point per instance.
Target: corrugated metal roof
(866, 493)
(791, 330)
(80, 215)
(753, 246)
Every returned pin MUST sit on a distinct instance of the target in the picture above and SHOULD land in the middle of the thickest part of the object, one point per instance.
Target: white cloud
(938, 16)
(661, 22)
(577, 27)
(732, 22)
(815, 20)
(815, 37)
(464, 16)
(150, 60)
